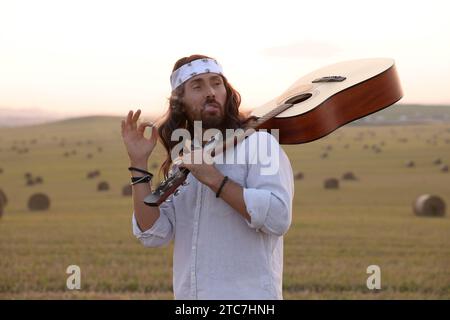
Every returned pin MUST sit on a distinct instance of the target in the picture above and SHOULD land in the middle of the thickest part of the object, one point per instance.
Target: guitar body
(369, 86)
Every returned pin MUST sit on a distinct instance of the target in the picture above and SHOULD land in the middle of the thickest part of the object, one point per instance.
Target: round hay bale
(127, 190)
(438, 161)
(324, 155)
(1, 170)
(89, 155)
(39, 201)
(444, 168)
(93, 174)
(99, 149)
(410, 164)
(346, 146)
(3, 198)
(38, 180)
(429, 206)
(30, 182)
(350, 176)
(103, 186)
(66, 154)
(299, 176)
(28, 175)
(331, 183)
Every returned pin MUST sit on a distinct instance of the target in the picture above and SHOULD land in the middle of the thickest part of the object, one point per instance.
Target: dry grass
(334, 236)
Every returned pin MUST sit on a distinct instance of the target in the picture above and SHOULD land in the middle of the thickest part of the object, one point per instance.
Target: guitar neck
(249, 129)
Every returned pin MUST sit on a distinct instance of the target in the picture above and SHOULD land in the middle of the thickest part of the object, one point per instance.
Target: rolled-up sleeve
(162, 230)
(268, 197)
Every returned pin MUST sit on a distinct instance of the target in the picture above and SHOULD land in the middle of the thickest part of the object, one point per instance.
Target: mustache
(212, 102)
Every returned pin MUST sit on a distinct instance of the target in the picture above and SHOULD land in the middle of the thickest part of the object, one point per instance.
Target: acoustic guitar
(311, 108)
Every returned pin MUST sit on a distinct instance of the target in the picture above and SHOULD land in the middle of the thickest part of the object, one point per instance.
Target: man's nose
(210, 92)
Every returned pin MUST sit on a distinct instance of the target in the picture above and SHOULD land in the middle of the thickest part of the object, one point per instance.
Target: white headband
(191, 69)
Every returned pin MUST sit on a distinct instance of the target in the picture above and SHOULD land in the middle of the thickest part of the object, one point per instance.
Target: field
(335, 234)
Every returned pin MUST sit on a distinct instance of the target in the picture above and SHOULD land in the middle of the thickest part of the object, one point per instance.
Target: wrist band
(139, 170)
(225, 179)
(144, 179)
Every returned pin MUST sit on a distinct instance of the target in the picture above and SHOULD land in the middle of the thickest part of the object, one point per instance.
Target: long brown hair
(175, 117)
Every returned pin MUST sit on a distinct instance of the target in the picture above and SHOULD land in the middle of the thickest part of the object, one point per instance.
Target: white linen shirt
(218, 254)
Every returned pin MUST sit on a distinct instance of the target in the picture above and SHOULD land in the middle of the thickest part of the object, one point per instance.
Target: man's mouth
(211, 107)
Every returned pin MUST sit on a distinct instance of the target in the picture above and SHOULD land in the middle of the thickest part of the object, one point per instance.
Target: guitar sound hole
(299, 98)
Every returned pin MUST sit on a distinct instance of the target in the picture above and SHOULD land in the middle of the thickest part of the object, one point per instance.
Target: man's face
(204, 99)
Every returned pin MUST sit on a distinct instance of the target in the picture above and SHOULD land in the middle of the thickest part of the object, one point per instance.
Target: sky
(108, 57)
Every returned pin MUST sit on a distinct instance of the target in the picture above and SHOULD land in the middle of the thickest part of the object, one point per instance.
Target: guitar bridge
(330, 79)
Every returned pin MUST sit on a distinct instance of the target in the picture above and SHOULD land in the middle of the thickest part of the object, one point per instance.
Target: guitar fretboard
(269, 115)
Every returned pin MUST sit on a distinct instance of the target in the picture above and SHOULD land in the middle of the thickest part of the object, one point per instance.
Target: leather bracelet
(143, 179)
(139, 170)
(225, 179)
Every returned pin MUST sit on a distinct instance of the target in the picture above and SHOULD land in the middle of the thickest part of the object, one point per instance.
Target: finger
(136, 116)
(143, 125)
(130, 114)
(155, 133)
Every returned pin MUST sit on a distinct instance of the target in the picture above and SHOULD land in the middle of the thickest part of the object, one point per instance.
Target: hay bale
(331, 183)
(38, 180)
(3, 198)
(299, 176)
(89, 155)
(30, 182)
(103, 186)
(444, 168)
(1, 170)
(410, 164)
(350, 176)
(438, 161)
(99, 149)
(93, 174)
(127, 190)
(324, 155)
(39, 202)
(429, 206)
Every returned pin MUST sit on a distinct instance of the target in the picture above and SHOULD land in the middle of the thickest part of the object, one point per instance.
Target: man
(228, 220)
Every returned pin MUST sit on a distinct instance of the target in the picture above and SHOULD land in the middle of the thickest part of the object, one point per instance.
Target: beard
(210, 121)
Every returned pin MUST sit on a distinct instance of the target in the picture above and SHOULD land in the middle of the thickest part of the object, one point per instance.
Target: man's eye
(196, 87)
(218, 83)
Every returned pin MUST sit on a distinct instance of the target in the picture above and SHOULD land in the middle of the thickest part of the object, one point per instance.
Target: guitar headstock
(167, 187)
